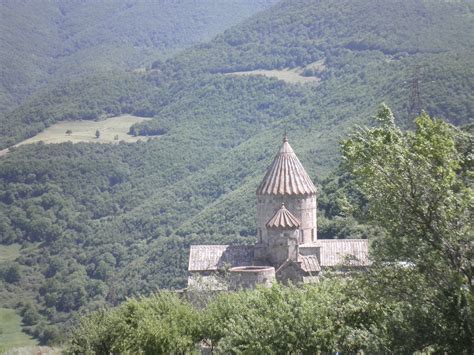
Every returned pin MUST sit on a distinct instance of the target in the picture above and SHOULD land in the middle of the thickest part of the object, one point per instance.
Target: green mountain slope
(112, 221)
(395, 36)
(45, 41)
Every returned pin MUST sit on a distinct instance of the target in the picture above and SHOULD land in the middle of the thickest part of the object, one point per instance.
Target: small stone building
(287, 247)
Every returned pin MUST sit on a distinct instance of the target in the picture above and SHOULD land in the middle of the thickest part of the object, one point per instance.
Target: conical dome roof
(283, 219)
(286, 175)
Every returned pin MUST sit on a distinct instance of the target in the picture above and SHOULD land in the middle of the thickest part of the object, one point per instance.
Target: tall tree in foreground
(419, 190)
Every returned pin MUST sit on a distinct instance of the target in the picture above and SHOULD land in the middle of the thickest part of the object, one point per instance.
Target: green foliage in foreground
(336, 314)
(156, 325)
(419, 189)
(278, 320)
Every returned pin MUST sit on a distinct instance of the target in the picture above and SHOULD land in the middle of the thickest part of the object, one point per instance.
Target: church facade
(287, 248)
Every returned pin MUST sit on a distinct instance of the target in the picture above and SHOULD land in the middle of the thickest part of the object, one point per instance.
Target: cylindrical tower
(248, 277)
(286, 181)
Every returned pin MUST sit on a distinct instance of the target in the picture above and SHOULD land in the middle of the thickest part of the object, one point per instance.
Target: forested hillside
(100, 222)
(390, 39)
(44, 41)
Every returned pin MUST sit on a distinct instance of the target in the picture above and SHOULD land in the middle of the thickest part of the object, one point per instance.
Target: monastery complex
(287, 246)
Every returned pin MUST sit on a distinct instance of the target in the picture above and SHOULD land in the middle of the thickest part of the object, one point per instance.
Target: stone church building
(287, 246)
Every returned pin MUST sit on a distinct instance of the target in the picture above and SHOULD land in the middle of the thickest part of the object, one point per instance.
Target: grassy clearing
(112, 130)
(292, 76)
(11, 334)
(9, 252)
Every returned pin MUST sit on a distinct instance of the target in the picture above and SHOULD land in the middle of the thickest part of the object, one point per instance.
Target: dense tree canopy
(375, 57)
(326, 317)
(45, 42)
(419, 188)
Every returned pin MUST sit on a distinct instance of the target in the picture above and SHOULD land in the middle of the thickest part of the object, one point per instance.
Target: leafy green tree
(326, 317)
(418, 189)
(30, 315)
(12, 273)
(93, 334)
(156, 325)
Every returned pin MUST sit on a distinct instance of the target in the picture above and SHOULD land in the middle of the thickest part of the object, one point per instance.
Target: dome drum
(303, 208)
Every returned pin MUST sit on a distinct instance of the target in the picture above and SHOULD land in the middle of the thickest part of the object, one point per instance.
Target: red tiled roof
(283, 219)
(286, 175)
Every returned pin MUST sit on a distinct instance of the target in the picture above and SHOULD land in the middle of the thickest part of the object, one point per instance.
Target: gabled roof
(309, 263)
(283, 219)
(354, 252)
(286, 175)
(217, 257)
